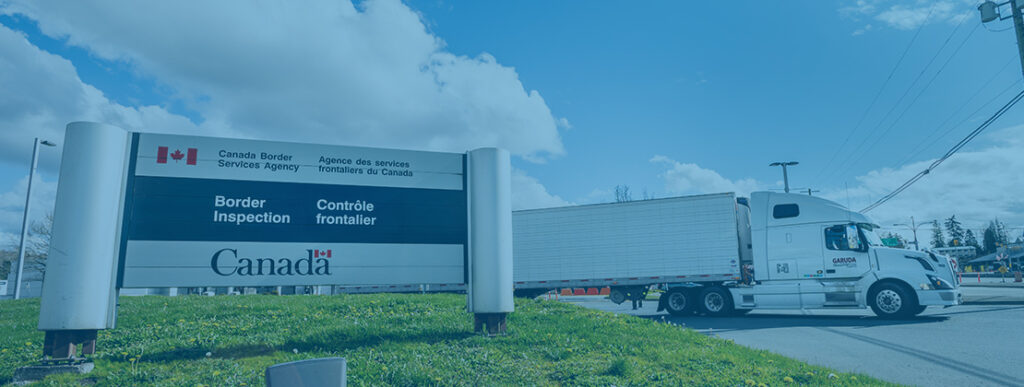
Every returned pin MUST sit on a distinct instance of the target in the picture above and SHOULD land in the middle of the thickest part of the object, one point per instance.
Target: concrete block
(35, 373)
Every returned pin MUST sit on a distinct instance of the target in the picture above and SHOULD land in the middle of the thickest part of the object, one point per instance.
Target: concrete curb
(992, 286)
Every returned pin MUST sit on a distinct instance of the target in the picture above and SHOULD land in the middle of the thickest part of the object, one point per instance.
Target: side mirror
(853, 238)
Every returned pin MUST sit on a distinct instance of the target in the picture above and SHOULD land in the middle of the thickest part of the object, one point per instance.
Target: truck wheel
(920, 309)
(678, 302)
(715, 301)
(891, 300)
(617, 296)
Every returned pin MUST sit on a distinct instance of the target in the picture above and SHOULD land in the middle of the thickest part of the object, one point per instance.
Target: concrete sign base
(32, 374)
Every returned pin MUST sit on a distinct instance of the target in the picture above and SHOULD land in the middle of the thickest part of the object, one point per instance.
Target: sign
(152, 210)
(891, 242)
(203, 211)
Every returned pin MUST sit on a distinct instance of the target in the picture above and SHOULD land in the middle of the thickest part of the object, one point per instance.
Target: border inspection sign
(203, 211)
(157, 210)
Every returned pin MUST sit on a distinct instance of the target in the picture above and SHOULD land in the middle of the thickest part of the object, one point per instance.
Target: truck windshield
(869, 233)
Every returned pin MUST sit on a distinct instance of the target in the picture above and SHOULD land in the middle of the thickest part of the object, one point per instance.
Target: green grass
(393, 339)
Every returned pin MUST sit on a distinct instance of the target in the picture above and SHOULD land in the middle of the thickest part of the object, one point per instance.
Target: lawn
(399, 339)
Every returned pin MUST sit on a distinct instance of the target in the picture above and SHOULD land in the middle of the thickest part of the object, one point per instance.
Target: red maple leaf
(177, 155)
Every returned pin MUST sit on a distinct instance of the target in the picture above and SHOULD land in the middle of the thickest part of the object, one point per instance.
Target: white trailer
(628, 244)
(719, 254)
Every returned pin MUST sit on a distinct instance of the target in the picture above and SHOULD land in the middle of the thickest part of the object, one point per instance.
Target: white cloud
(528, 193)
(908, 15)
(328, 71)
(862, 30)
(976, 186)
(41, 92)
(689, 178)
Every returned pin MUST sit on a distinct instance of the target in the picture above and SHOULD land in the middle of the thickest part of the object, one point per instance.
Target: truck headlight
(939, 283)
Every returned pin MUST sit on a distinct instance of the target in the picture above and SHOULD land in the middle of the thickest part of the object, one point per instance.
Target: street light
(913, 227)
(24, 219)
(785, 173)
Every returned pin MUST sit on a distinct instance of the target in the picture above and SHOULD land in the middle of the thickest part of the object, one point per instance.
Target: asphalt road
(967, 345)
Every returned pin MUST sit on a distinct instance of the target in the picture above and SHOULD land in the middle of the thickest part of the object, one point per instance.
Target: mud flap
(661, 302)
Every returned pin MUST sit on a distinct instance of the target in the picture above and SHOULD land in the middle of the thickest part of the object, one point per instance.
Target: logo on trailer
(190, 157)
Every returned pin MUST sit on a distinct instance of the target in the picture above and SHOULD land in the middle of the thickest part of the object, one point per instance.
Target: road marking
(970, 369)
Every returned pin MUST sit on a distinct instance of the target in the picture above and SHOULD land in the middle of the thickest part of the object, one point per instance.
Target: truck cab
(808, 252)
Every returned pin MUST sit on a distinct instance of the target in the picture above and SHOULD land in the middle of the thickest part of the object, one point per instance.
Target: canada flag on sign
(322, 253)
(190, 158)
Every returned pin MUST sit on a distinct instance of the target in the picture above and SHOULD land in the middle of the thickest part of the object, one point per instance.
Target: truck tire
(920, 309)
(617, 295)
(893, 301)
(715, 301)
(678, 302)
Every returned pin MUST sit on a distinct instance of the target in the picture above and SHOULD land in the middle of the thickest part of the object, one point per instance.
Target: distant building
(962, 254)
(31, 283)
(1012, 257)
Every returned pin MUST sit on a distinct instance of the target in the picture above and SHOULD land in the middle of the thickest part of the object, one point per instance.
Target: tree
(956, 232)
(988, 239)
(937, 239)
(622, 194)
(7, 258)
(971, 240)
(37, 246)
(1001, 235)
(993, 236)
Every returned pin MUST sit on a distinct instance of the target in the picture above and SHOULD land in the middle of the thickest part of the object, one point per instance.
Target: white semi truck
(721, 255)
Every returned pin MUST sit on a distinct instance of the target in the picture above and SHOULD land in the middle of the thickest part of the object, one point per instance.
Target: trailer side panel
(693, 236)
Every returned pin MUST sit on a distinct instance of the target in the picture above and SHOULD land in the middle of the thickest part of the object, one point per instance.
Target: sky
(668, 98)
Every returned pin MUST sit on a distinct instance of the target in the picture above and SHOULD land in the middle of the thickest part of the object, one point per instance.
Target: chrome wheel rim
(889, 301)
(714, 302)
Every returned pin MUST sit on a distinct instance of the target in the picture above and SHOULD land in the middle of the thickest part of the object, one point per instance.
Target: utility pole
(913, 227)
(785, 173)
(990, 11)
(24, 219)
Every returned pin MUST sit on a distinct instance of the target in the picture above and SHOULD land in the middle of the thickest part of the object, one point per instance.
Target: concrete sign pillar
(490, 238)
(79, 295)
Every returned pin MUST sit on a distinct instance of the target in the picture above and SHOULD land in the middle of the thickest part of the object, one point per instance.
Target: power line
(849, 156)
(878, 94)
(918, 96)
(948, 154)
(985, 86)
(919, 149)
